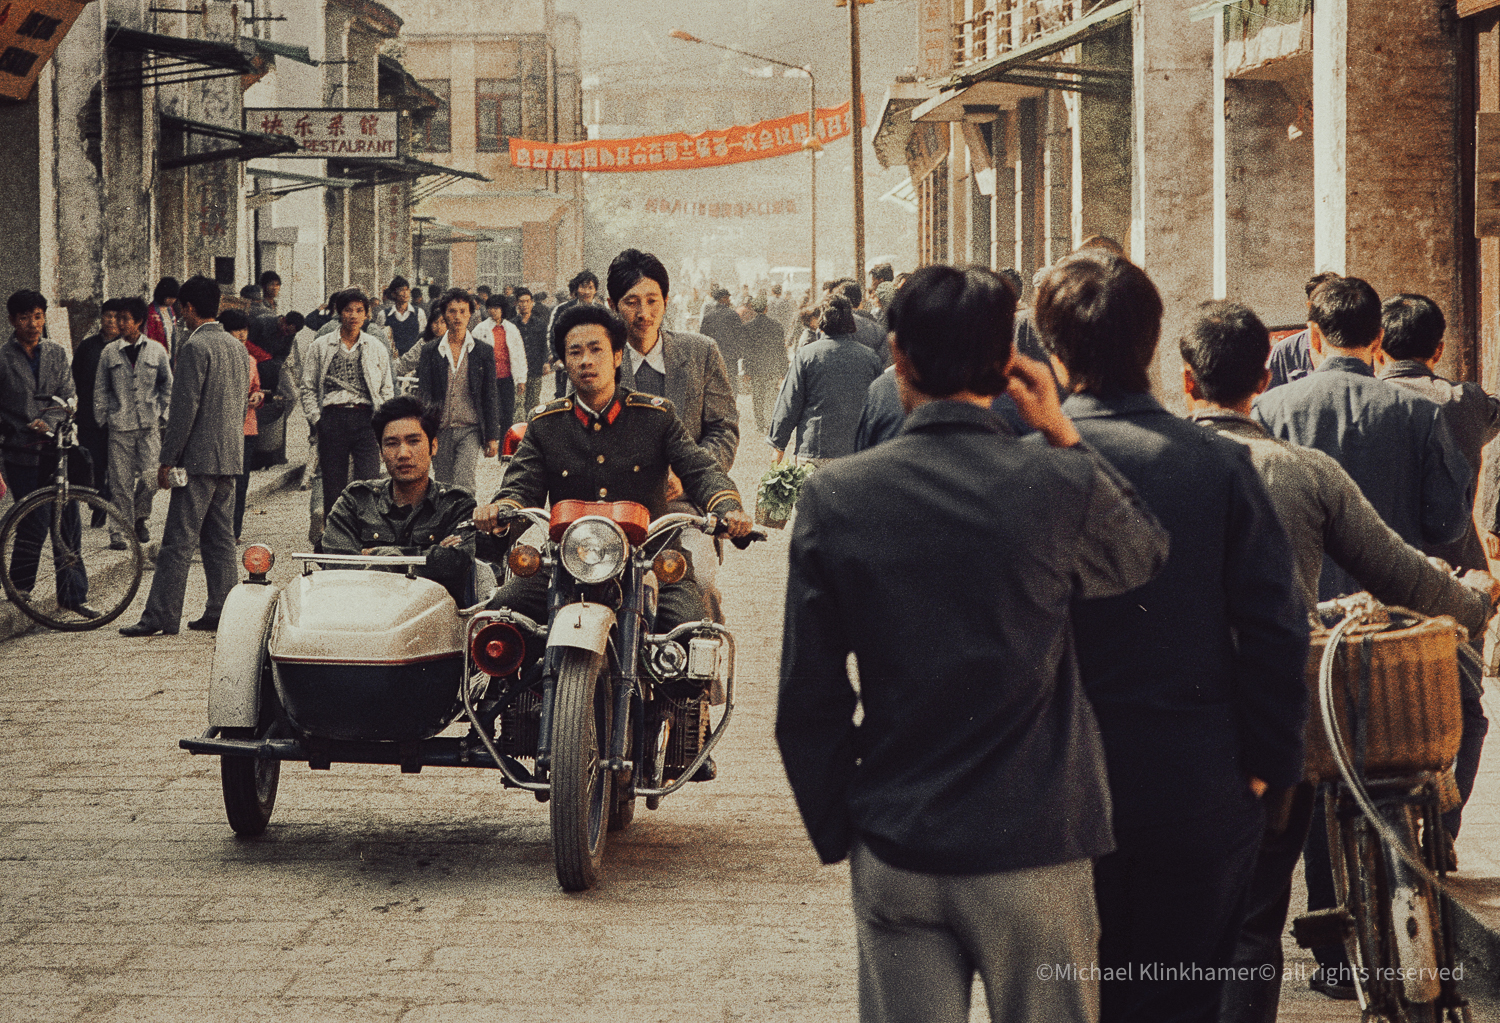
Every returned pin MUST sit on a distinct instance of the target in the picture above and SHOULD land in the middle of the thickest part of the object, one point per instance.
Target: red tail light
(498, 649)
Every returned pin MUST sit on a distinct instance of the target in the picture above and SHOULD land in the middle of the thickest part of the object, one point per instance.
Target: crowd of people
(1073, 762)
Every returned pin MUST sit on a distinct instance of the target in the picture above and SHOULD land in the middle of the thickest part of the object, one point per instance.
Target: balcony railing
(993, 27)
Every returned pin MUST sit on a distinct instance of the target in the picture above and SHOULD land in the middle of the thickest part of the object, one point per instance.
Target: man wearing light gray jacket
(132, 393)
(205, 436)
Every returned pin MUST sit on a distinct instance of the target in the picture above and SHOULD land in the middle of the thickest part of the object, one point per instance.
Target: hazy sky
(627, 39)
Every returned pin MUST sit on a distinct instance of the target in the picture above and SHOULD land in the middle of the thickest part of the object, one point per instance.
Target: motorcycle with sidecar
(359, 659)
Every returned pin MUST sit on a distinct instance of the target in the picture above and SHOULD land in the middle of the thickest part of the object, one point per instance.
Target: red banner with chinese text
(715, 148)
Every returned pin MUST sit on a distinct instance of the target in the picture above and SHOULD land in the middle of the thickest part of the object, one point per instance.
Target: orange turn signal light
(524, 560)
(258, 559)
(670, 566)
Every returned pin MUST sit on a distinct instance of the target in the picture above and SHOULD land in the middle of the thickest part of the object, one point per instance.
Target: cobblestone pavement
(379, 896)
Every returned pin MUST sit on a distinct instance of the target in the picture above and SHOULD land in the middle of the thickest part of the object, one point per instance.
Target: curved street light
(812, 144)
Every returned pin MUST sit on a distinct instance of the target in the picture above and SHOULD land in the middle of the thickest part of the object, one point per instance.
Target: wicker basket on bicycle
(1396, 693)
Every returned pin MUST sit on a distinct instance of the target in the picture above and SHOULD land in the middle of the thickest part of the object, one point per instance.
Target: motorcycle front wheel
(581, 786)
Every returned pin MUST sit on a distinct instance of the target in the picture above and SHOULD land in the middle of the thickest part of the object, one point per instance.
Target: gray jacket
(133, 397)
(374, 360)
(206, 427)
(24, 397)
(823, 395)
(1323, 510)
(698, 387)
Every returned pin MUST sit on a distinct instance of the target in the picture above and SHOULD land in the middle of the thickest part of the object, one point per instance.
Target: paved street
(379, 896)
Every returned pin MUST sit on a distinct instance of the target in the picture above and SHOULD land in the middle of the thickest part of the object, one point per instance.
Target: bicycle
(1384, 803)
(91, 584)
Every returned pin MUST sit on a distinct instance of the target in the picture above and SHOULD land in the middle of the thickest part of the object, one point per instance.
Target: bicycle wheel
(50, 565)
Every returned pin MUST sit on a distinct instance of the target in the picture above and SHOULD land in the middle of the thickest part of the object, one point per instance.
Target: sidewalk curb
(13, 623)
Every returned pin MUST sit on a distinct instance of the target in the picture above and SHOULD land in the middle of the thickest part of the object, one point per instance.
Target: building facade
(500, 71)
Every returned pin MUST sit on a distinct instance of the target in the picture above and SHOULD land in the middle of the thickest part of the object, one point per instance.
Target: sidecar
(359, 662)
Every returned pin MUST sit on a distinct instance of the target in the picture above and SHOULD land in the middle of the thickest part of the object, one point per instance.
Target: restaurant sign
(329, 133)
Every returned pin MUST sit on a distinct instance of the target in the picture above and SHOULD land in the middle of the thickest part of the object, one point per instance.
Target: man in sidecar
(607, 443)
(410, 513)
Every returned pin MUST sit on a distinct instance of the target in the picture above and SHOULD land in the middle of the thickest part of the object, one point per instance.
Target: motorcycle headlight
(593, 550)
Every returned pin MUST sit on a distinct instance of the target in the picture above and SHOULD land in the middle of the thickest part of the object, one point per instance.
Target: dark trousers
(763, 390)
(345, 432)
(200, 517)
(1171, 897)
(72, 579)
(95, 440)
(534, 380)
(506, 388)
(242, 488)
(1253, 994)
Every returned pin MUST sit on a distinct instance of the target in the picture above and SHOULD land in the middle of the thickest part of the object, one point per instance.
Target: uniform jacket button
(596, 426)
(601, 459)
(603, 492)
(636, 469)
(565, 472)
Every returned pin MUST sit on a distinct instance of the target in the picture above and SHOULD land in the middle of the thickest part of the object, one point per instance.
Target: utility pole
(857, 135)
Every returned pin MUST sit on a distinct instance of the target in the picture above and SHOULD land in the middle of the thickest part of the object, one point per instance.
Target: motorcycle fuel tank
(364, 655)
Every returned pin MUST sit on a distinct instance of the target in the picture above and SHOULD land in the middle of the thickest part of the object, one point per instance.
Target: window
(434, 134)
(497, 113)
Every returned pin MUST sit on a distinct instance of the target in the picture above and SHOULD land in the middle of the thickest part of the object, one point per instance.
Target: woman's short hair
(1101, 316)
(955, 329)
(582, 316)
(838, 316)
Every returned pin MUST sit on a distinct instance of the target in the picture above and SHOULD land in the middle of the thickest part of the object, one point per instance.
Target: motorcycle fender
(584, 626)
(239, 653)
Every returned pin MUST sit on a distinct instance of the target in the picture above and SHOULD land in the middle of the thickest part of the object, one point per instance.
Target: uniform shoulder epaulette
(638, 399)
(556, 405)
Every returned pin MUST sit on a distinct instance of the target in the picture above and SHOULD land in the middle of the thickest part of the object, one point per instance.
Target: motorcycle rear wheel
(581, 786)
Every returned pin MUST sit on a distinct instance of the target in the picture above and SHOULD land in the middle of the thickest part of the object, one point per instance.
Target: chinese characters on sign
(29, 31)
(716, 148)
(329, 133)
(693, 208)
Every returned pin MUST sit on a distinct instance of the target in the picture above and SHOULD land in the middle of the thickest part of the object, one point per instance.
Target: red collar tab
(609, 415)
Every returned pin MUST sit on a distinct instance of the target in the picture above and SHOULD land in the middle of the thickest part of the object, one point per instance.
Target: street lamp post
(811, 144)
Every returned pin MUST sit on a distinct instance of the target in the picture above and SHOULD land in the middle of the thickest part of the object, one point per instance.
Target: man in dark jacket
(764, 351)
(93, 434)
(1394, 442)
(409, 513)
(33, 371)
(723, 324)
(608, 443)
(1197, 677)
(456, 373)
(973, 795)
(1224, 354)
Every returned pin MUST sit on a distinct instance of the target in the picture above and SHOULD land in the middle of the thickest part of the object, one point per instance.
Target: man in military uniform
(608, 443)
(410, 513)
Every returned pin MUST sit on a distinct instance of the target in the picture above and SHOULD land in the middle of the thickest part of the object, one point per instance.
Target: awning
(400, 90)
(269, 193)
(903, 195)
(978, 102)
(893, 123)
(405, 168)
(1024, 66)
(249, 144)
(298, 53)
(169, 60)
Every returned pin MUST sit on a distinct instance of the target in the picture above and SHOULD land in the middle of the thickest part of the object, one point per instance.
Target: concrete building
(132, 157)
(1234, 147)
(501, 71)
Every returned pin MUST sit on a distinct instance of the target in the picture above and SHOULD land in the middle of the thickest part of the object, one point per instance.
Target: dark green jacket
(623, 455)
(366, 517)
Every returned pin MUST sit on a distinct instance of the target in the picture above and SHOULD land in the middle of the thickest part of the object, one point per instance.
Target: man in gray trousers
(204, 436)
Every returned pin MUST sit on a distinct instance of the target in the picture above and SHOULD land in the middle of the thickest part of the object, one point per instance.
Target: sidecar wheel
(249, 788)
(582, 789)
